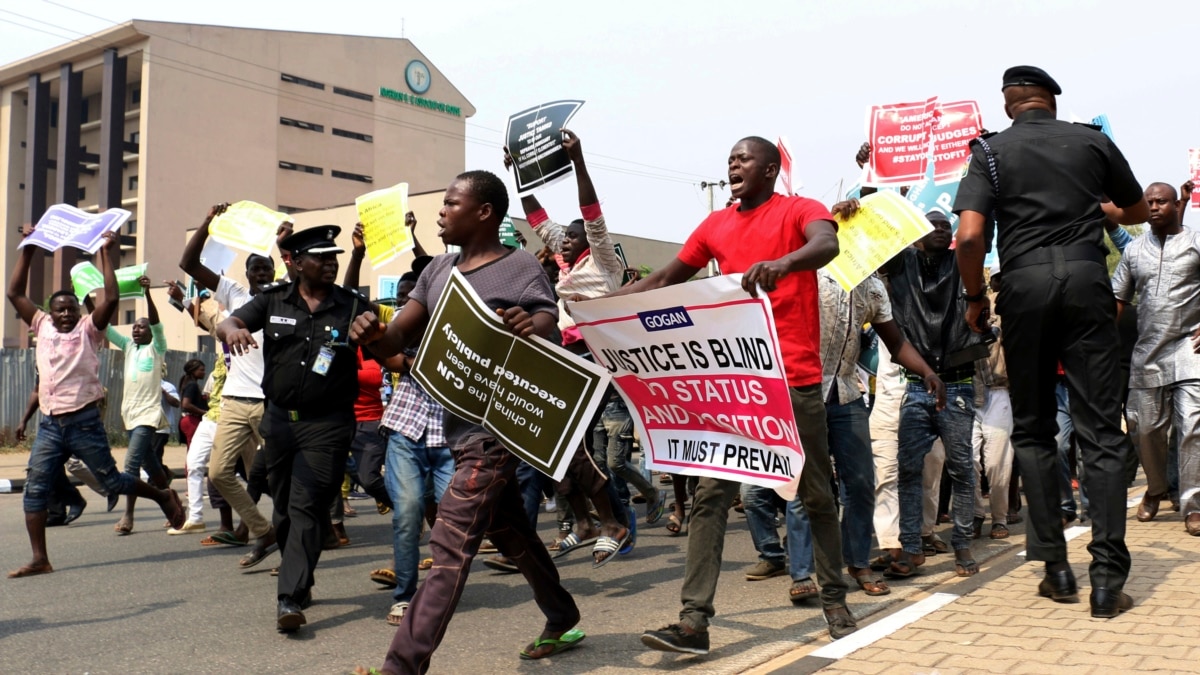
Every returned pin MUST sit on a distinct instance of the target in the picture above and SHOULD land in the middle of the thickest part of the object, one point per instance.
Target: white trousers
(993, 453)
(197, 467)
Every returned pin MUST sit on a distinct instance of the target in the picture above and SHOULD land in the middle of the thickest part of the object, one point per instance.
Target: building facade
(166, 119)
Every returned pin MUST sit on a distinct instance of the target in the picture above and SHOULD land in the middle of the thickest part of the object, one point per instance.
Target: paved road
(153, 603)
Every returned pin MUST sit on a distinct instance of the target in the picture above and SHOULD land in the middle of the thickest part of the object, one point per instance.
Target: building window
(83, 111)
(131, 227)
(289, 122)
(292, 166)
(135, 96)
(130, 316)
(301, 81)
(353, 94)
(352, 134)
(82, 193)
(133, 183)
(351, 176)
(135, 137)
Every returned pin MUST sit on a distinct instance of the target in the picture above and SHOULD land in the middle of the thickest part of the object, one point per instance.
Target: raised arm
(19, 282)
(550, 232)
(107, 308)
(594, 227)
(1185, 196)
(151, 308)
(357, 253)
(587, 191)
(190, 262)
(410, 221)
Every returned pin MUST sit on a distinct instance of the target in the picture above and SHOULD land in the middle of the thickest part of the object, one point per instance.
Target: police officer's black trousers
(306, 461)
(1063, 310)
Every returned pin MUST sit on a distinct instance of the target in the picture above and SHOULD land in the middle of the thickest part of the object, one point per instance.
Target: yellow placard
(382, 216)
(883, 226)
(248, 226)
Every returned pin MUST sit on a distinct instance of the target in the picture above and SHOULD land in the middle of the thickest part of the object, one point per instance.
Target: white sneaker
(551, 506)
(190, 527)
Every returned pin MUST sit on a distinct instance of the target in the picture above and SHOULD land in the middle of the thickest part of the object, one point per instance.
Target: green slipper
(568, 640)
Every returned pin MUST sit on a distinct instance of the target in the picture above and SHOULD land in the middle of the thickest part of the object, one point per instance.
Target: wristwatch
(974, 298)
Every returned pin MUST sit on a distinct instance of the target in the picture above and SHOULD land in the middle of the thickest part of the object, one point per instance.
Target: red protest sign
(1194, 171)
(956, 124)
(899, 137)
(785, 166)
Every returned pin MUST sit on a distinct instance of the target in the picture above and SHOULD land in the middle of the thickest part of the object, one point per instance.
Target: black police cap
(1030, 76)
(315, 240)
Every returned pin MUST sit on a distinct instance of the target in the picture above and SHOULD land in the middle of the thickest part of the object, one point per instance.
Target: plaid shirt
(413, 413)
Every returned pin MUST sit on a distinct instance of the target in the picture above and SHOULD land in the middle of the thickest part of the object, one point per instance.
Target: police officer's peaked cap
(1030, 76)
(320, 239)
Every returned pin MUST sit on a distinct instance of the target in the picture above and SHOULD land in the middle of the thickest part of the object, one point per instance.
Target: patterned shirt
(842, 318)
(597, 272)
(413, 413)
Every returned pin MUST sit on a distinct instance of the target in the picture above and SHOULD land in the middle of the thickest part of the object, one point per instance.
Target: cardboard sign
(64, 225)
(248, 226)
(785, 167)
(905, 137)
(957, 124)
(86, 277)
(508, 233)
(535, 397)
(928, 195)
(535, 142)
(699, 365)
(883, 226)
(382, 216)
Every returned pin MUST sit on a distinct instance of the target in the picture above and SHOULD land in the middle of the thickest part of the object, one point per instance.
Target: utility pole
(713, 269)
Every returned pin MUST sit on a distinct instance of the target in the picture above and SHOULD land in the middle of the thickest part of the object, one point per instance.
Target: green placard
(86, 277)
(508, 233)
(535, 397)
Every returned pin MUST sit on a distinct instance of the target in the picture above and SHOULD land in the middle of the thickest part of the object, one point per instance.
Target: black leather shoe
(1106, 604)
(306, 600)
(1059, 586)
(74, 511)
(290, 617)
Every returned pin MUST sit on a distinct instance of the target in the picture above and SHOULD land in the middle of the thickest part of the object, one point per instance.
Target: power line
(274, 70)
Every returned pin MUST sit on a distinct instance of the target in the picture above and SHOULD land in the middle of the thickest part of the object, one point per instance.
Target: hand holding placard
(247, 226)
(383, 214)
(873, 233)
(64, 225)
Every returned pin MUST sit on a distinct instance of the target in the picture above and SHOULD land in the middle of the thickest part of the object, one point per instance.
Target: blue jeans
(60, 436)
(1066, 429)
(409, 465)
(761, 505)
(531, 482)
(850, 446)
(141, 455)
(920, 424)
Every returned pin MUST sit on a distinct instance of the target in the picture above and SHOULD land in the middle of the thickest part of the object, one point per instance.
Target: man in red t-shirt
(778, 243)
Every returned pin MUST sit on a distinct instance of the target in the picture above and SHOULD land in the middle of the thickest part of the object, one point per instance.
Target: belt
(310, 415)
(243, 399)
(63, 418)
(1046, 255)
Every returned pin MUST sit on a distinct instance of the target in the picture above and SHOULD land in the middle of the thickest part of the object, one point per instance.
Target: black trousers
(1064, 310)
(306, 462)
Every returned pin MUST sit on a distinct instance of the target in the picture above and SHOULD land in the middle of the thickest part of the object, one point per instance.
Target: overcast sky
(670, 86)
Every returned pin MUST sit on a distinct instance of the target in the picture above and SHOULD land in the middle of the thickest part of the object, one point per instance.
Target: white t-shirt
(171, 412)
(245, 372)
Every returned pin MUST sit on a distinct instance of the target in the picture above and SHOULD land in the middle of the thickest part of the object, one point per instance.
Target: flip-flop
(384, 577)
(572, 542)
(210, 541)
(30, 571)
(654, 515)
(866, 580)
(901, 569)
(802, 590)
(568, 640)
(628, 547)
(257, 555)
(425, 564)
(882, 563)
(966, 568)
(610, 546)
(675, 526)
(228, 538)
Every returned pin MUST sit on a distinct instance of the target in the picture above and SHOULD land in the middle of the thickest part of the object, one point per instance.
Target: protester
(141, 400)
(777, 242)
(991, 446)
(68, 391)
(1057, 304)
(1162, 270)
(483, 498)
(242, 399)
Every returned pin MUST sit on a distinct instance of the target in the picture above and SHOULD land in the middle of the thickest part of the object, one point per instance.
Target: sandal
(655, 514)
(999, 531)
(229, 539)
(901, 569)
(572, 542)
(396, 615)
(869, 584)
(803, 590)
(933, 545)
(567, 640)
(257, 555)
(607, 546)
(211, 541)
(675, 525)
(881, 563)
(425, 564)
(384, 577)
(966, 568)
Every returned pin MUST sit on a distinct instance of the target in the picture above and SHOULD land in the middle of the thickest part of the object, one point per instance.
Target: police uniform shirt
(292, 342)
(1052, 176)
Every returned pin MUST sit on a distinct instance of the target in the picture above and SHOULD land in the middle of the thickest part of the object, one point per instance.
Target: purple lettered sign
(64, 225)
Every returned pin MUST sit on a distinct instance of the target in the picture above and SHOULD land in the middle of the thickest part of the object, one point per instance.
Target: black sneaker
(676, 638)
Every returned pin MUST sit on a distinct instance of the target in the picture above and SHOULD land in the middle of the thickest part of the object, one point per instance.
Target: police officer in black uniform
(310, 383)
(1049, 185)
